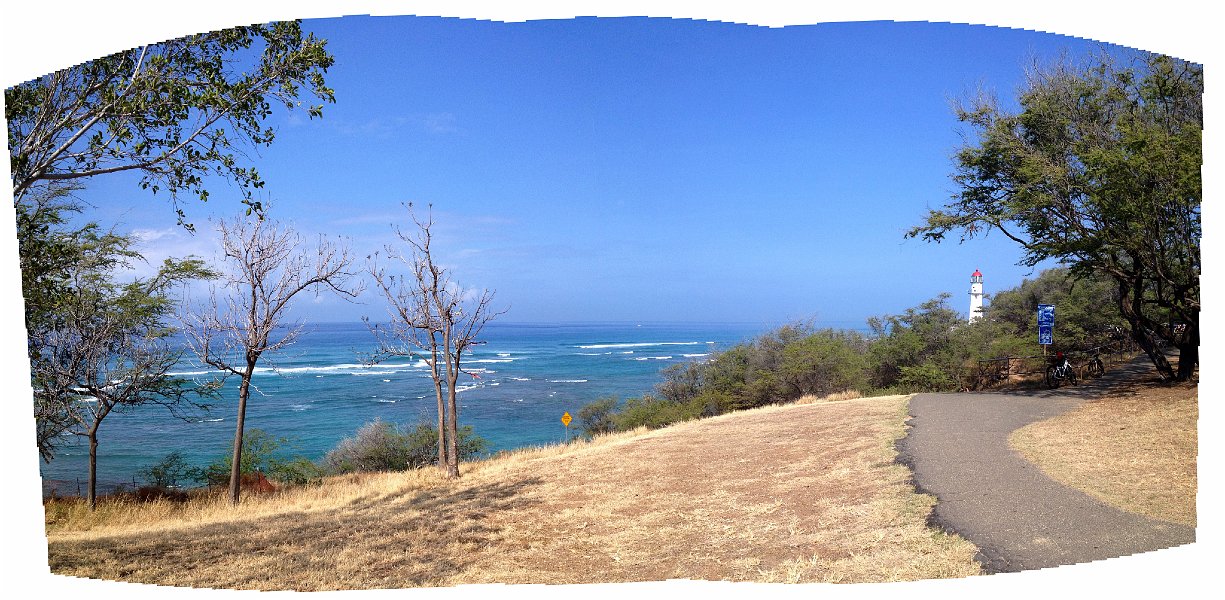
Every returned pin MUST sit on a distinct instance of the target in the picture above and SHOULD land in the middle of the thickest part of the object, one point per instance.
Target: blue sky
(601, 169)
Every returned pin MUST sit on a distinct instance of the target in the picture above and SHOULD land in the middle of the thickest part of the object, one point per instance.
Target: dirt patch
(794, 494)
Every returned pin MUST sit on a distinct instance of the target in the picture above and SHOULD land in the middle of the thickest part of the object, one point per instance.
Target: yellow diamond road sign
(565, 419)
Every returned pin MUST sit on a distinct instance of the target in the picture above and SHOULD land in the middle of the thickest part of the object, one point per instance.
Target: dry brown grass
(794, 494)
(834, 397)
(1135, 450)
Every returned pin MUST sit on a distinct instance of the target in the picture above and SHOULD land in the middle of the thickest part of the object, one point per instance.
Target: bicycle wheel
(1052, 377)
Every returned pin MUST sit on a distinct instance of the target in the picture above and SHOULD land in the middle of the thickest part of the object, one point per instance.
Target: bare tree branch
(433, 318)
(266, 270)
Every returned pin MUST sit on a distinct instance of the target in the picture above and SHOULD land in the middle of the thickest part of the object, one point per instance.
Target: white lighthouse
(976, 296)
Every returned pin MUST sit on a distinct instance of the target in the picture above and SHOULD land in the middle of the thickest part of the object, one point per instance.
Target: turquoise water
(319, 392)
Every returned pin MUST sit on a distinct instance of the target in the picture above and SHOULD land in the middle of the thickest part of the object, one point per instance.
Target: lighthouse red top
(976, 273)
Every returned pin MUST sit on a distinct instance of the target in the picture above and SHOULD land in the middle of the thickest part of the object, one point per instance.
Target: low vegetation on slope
(927, 348)
(798, 493)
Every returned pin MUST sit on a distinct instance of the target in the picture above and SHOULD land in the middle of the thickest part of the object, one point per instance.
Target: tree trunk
(244, 390)
(442, 415)
(453, 438)
(93, 468)
(1155, 354)
(442, 431)
(1131, 296)
(452, 430)
(1188, 350)
(1188, 358)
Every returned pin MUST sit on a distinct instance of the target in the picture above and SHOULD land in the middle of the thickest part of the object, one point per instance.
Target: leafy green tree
(825, 362)
(1080, 322)
(177, 112)
(96, 344)
(1099, 170)
(922, 335)
(597, 417)
(51, 255)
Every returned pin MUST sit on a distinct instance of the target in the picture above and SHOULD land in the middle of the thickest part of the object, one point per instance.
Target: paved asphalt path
(987, 493)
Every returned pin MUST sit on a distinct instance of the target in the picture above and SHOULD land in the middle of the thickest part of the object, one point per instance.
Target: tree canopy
(96, 344)
(1098, 170)
(177, 111)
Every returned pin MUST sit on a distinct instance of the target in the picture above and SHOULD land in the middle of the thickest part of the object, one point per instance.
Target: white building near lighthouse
(976, 296)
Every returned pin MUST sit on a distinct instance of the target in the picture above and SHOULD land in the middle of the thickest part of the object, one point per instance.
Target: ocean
(318, 392)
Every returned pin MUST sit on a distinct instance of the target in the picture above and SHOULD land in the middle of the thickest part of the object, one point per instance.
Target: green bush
(929, 347)
(927, 377)
(168, 472)
(382, 446)
(597, 417)
(298, 470)
(654, 412)
(823, 363)
(712, 403)
(263, 453)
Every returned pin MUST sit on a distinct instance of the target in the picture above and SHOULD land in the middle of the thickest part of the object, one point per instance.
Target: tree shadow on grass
(377, 541)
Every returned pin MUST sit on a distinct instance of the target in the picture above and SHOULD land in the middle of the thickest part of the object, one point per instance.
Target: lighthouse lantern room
(976, 296)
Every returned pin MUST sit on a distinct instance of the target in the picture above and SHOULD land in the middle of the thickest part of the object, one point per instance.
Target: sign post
(565, 420)
(1046, 325)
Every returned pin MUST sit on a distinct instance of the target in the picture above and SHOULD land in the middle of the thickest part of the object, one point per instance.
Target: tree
(825, 362)
(430, 316)
(1099, 170)
(1080, 322)
(598, 417)
(50, 254)
(908, 348)
(266, 270)
(96, 345)
(177, 111)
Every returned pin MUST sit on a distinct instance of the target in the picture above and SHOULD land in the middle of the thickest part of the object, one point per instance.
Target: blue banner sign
(1046, 324)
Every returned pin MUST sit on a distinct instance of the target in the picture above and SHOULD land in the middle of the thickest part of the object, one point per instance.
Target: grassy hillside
(798, 493)
(1135, 449)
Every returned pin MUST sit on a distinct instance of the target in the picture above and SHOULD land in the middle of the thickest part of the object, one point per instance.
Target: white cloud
(438, 123)
(156, 245)
(384, 127)
(145, 236)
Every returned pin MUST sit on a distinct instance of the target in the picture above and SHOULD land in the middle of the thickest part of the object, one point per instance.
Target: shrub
(824, 363)
(168, 472)
(926, 377)
(597, 417)
(652, 412)
(296, 471)
(382, 446)
(263, 453)
(377, 446)
(712, 403)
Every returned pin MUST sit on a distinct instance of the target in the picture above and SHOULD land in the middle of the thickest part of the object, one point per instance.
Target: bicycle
(1057, 373)
(1095, 368)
